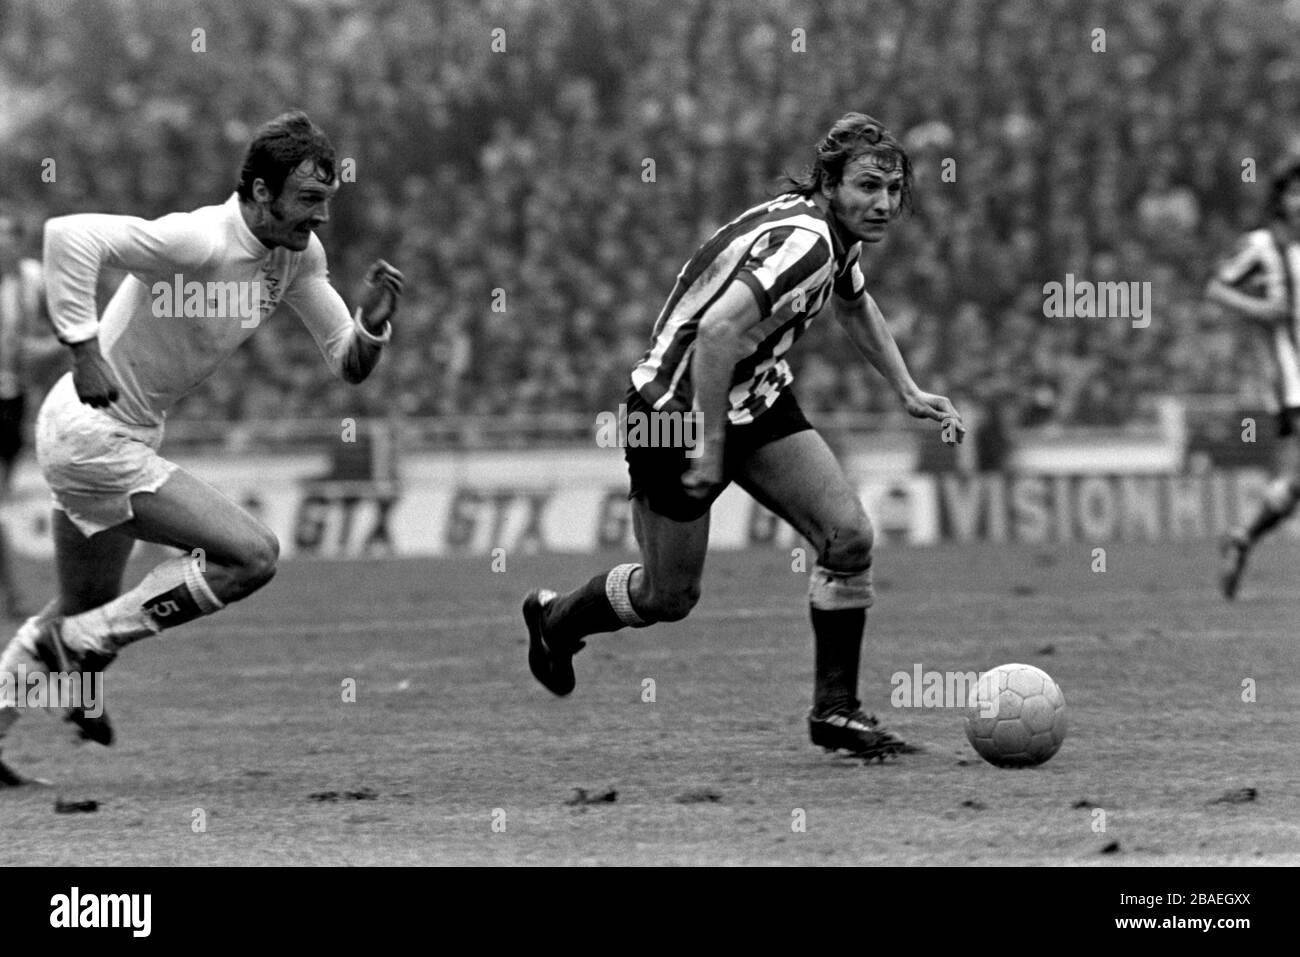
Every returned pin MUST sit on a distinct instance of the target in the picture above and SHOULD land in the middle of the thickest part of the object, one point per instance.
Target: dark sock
(583, 611)
(174, 607)
(1267, 519)
(837, 638)
(1270, 515)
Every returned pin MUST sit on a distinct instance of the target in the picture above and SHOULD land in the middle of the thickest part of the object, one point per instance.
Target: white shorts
(93, 461)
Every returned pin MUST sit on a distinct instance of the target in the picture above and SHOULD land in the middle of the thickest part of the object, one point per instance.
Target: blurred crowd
(540, 171)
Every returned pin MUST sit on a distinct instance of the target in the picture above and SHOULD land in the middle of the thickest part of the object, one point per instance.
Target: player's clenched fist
(91, 375)
(383, 289)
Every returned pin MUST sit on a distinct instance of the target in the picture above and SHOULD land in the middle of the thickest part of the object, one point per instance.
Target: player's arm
(350, 342)
(866, 327)
(718, 347)
(773, 274)
(76, 249)
(1250, 261)
(1267, 310)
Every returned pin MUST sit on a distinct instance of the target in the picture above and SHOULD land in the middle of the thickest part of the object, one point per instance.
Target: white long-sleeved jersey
(199, 284)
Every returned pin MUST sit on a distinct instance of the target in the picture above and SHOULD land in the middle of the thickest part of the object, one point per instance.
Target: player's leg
(113, 488)
(1283, 492)
(672, 530)
(798, 478)
(1279, 503)
(229, 555)
(89, 573)
(664, 586)
(89, 568)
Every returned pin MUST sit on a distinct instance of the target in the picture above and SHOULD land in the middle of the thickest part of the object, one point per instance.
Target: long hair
(281, 146)
(852, 136)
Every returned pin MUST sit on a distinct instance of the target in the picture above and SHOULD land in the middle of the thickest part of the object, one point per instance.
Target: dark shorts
(11, 428)
(656, 473)
(1288, 422)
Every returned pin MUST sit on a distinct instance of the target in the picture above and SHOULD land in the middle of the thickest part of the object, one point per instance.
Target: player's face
(866, 199)
(302, 207)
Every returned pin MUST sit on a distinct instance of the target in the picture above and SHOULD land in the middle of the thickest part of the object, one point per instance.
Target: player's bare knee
(259, 560)
(672, 605)
(841, 579)
(848, 549)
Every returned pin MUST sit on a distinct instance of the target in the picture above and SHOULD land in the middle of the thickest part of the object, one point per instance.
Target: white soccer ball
(1016, 717)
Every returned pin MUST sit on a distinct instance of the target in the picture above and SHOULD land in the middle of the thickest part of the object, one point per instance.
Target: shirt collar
(251, 244)
(838, 249)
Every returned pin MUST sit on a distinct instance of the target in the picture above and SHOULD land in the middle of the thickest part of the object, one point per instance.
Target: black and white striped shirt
(787, 253)
(1265, 267)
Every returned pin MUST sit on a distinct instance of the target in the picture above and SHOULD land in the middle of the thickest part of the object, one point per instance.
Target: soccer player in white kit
(1258, 282)
(99, 428)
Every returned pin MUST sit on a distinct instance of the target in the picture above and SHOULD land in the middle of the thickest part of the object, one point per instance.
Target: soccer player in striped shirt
(718, 353)
(100, 426)
(1259, 282)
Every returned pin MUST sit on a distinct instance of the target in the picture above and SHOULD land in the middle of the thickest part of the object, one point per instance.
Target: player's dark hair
(279, 147)
(853, 135)
(1287, 172)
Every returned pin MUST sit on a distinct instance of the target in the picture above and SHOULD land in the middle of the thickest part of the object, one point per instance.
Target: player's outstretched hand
(91, 376)
(383, 289)
(926, 405)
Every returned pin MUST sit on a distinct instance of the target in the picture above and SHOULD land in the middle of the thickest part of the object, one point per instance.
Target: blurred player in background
(25, 340)
(1259, 282)
(100, 427)
(718, 352)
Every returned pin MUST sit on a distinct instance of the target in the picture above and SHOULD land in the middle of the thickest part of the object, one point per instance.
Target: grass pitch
(236, 744)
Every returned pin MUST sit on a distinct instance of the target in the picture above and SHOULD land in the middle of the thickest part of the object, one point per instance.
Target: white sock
(170, 594)
(20, 650)
(30, 629)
